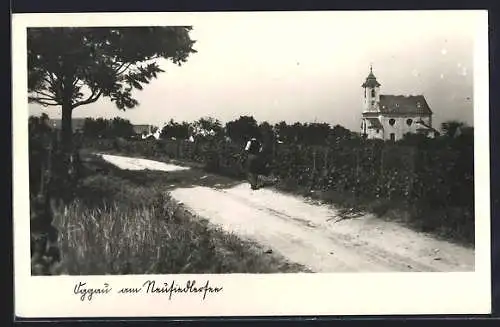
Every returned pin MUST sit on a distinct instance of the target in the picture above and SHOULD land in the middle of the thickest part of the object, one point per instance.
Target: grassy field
(124, 222)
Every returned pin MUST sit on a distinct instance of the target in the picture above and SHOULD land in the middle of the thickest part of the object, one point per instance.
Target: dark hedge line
(438, 172)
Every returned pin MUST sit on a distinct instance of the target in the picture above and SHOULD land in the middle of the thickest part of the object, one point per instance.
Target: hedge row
(438, 172)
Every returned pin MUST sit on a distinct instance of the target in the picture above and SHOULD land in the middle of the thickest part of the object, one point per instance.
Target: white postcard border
(248, 294)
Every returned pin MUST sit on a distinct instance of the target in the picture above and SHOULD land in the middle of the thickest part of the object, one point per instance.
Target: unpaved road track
(311, 235)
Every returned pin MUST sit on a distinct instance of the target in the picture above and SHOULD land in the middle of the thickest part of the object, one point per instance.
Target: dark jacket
(253, 147)
(253, 163)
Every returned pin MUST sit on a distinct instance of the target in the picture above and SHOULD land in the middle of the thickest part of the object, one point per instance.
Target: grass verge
(120, 226)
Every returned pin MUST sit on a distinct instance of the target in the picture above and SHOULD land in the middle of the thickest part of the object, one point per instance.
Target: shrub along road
(317, 236)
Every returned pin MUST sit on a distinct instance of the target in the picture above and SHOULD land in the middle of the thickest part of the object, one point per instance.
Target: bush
(54, 176)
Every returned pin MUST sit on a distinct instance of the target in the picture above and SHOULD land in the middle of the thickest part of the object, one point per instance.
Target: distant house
(150, 132)
(390, 117)
(143, 129)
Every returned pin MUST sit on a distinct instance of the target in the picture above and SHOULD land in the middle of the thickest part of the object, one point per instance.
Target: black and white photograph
(252, 146)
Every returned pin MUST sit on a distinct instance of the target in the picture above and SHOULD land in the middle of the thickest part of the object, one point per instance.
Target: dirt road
(312, 234)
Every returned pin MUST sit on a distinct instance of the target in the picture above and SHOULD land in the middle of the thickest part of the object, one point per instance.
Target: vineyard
(433, 178)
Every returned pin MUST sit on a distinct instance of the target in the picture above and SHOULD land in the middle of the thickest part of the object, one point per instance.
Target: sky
(308, 67)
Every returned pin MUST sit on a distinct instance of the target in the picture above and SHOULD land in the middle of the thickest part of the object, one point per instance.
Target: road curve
(311, 234)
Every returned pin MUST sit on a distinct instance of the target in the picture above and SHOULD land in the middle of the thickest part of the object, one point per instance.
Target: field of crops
(439, 172)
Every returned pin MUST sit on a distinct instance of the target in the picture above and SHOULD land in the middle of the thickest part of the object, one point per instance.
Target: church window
(373, 93)
(378, 130)
(373, 103)
(392, 121)
(393, 137)
(409, 121)
(365, 93)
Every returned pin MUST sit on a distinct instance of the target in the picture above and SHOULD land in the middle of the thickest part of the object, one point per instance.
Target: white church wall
(372, 133)
(401, 126)
(371, 103)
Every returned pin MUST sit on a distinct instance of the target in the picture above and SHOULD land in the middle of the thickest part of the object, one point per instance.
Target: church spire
(371, 80)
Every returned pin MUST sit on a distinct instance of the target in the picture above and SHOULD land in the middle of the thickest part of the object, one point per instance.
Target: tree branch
(42, 101)
(92, 98)
(49, 96)
(45, 98)
(49, 82)
(121, 72)
(119, 67)
(153, 58)
(52, 79)
(75, 82)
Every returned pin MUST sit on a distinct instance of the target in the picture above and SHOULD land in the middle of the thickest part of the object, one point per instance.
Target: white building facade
(390, 117)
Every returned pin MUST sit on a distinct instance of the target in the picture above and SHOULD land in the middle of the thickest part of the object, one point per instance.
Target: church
(390, 117)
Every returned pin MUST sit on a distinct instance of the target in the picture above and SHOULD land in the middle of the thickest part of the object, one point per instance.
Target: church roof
(371, 80)
(401, 104)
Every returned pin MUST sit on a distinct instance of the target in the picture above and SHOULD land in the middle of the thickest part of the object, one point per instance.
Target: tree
(291, 133)
(241, 129)
(99, 127)
(267, 133)
(451, 127)
(207, 126)
(120, 127)
(72, 67)
(175, 130)
(316, 133)
(339, 133)
(281, 130)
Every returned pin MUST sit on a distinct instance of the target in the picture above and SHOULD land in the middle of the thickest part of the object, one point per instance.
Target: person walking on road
(253, 149)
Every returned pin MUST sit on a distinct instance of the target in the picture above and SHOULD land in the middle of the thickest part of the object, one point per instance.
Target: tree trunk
(66, 125)
(66, 129)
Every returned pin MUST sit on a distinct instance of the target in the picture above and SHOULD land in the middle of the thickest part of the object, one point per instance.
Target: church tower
(371, 95)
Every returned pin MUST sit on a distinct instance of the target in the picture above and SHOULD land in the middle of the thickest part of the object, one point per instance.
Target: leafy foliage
(43, 173)
(65, 63)
(207, 127)
(175, 130)
(72, 67)
(242, 129)
(100, 127)
(451, 127)
(312, 133)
